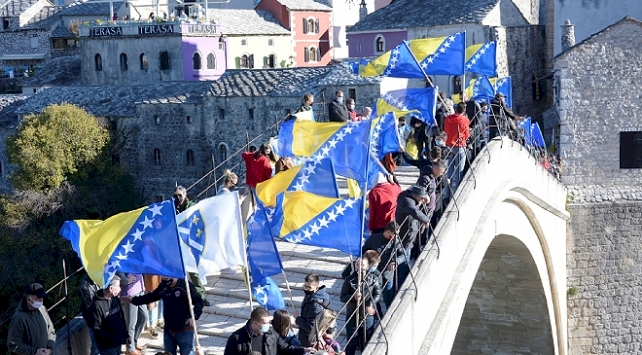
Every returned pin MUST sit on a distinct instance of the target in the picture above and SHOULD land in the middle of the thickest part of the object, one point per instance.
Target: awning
(35, 56)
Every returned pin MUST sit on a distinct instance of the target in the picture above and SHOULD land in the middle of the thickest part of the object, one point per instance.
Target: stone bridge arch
(498, 283)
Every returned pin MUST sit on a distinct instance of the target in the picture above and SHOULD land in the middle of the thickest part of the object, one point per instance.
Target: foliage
(92, 188)
(50, 147)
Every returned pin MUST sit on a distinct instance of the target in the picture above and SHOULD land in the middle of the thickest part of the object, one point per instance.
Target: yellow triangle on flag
(375, 67)
(309, 136)
(424, 47)
(299, 208)
(269, 189)
(471, 50)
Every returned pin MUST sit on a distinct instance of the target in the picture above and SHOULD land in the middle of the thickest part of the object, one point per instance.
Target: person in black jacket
(108, 322)
(409, 215)
(179, 328)
(362, 298)
(87, 289)
(258, 336)
(337, 108)
(315, 301)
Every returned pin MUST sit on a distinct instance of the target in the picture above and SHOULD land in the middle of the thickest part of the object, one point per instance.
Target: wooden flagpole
(287, 284)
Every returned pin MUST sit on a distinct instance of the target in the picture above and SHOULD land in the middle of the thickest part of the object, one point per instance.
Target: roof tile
(248, 22)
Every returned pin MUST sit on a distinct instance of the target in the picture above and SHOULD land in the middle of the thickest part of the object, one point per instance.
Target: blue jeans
(456, 165)
(135, 319)
(358, 342)
(94, 346)
(154, 315)
(112, 351)
(184, 340)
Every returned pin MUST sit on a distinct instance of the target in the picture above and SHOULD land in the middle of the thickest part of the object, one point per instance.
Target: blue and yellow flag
(421, 101)
(482, 59)
(309, 219)
(314, 176)
(346, 144)
(526, 126)
(304, 115)
(144, 241)
(441, 55)
(385, 136)
(538, 137)
(505, 86)
(267, 294)
(480, 89)
(396, 63)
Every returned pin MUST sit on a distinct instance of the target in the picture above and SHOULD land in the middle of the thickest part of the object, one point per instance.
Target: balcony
(97, 29)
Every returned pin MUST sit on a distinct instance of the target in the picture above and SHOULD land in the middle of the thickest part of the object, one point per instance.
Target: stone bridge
(497, 282)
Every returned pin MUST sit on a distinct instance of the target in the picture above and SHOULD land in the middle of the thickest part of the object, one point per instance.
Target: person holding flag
(179, 326)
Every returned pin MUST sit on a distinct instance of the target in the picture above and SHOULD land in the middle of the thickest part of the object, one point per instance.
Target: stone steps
(229, 297)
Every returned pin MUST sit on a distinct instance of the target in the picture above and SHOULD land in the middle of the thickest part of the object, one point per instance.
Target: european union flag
(345, 143)
(482, 59)
(442, 55)
(422, 101)
(505, 86)
(144, 241)
(526, 126)
(321, 221)
(385, 136)
(262, 254)
(267, 294)
(314, 176)
(538, 137)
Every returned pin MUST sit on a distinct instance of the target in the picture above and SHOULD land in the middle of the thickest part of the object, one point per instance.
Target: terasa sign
(105, 31)
(155, 29)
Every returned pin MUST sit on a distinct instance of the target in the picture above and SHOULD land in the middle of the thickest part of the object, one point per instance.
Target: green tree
(48, 148)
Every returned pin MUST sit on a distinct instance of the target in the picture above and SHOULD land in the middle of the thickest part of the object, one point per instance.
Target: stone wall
(24, 42)
(599, 97)
(604, 275)
(110, 50)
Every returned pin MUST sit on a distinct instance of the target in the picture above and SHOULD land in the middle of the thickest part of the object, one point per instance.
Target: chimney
(568, 35)
(363, 10)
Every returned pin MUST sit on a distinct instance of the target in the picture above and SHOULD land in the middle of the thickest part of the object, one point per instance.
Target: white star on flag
(129, 247)
(138, 234)
(156, 210)
(147, 223)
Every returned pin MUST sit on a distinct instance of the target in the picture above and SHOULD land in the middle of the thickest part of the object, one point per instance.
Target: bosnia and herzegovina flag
(314, 176)
(480, 89)
(305, 218)
(385, 136)
(421, 101)
(420, 57)
(345, 143)
(482, 59)
(144, 241)
(263, 260)
(211, 234)
(505, 86)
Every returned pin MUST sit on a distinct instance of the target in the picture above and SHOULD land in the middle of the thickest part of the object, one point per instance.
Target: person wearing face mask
(108, 323)
(352, 112)
(258, 336)
(31, 331)
(315, 301)
(338, 110)
(363, 299)
(179, 327)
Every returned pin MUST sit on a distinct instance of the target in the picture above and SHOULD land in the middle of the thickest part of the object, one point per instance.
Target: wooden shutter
(305, 26)
(306, 55)
(251, 61)
(316, 26)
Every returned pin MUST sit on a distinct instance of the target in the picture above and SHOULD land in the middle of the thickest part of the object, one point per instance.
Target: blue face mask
(265, 328)
(439, 143)
(373, 269)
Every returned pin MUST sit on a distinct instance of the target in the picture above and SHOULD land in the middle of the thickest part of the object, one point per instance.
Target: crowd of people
(400, 225)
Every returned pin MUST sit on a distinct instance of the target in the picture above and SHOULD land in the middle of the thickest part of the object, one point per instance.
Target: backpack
(87, 291)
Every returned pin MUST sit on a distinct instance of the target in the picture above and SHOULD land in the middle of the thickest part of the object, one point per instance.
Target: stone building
(177, 130)
(514, 24)
(599, 107)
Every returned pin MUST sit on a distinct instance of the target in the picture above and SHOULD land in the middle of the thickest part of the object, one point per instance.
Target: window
(244, 42)
(270, 42)
(352, 94)
(310, 26)
(113, 125)
(5, 24)
(222, 152)
(245, 62)
(380, 44)
(157, 156)
(221, 113)
(220, 46)
(33, 42)
(115, 159)
(314, 55)
(0, 168)
(159, 198)
(251, 113)
(288, 112)
(271, 61)
(306, 54)
(190, 158)
(457, 84)
(196, 59)
(123, 62)
(98, 62)
(188, 119)
(211, 61)
(630, 150)
(164, 61)
(156, 119)
(144, 64)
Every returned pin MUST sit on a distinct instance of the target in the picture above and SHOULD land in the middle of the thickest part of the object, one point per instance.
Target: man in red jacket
(383, 203)
(457, 132)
